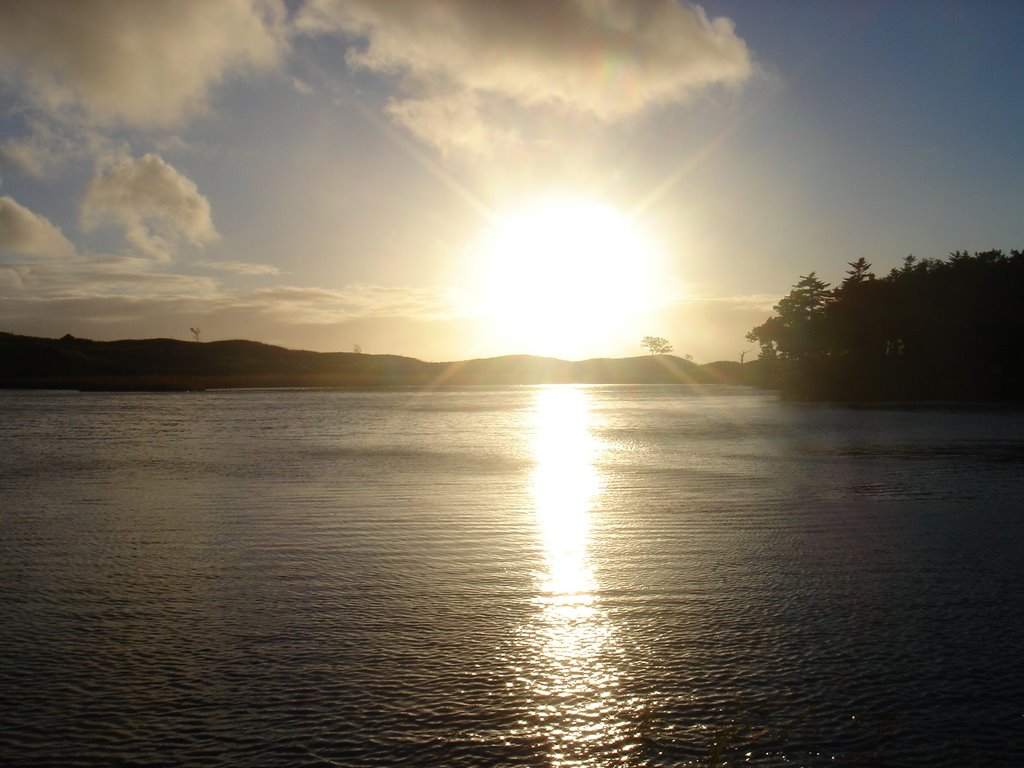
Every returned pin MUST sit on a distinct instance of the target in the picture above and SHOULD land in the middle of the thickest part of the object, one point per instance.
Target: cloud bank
(607, 59)
(145, 64)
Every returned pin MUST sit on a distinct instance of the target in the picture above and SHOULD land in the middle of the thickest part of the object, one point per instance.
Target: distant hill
(28, 362)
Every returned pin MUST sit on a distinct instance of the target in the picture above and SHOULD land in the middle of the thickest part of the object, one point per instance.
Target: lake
(565, 575)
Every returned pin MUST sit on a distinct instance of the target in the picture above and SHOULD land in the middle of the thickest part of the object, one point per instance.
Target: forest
(943, 330)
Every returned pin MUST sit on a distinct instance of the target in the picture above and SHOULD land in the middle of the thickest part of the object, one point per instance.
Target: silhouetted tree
(856, 322)
(195, 333)
(859, 272)
(766, 336)
(656, 345)
(795, 332)
(929, 329)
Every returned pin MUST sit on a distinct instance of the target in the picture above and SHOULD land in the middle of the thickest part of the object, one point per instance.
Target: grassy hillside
(155, 364)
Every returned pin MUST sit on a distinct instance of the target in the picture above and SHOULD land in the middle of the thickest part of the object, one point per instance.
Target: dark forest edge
(28, 362)
(930, 330)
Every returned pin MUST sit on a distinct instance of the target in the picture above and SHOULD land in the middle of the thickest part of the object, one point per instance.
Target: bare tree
(196, 332)
(357, 348)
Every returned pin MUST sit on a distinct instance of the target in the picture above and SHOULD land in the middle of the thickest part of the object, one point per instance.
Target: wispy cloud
(241, 267)
(320, 305)
(95, 277)
(47, 146)
(40, 289)
(752, 301)
(452, 121)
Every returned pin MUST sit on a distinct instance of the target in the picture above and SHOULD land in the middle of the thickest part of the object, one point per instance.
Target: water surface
(527, 575)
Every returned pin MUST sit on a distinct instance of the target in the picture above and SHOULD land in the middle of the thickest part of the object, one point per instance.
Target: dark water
(522, 576)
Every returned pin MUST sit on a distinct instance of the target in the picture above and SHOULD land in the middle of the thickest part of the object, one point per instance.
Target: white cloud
(155, 205)
(29, 234)
(141, 63)
(606, 59)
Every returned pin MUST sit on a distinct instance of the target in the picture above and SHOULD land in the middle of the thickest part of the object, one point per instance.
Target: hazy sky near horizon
(449, 179)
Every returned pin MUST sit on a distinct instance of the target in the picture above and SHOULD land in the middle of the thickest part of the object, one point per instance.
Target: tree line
(929, 329)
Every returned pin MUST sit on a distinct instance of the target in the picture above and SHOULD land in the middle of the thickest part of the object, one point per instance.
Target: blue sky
(326, 173)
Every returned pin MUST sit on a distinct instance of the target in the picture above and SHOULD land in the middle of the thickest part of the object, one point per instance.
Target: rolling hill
(28, 362)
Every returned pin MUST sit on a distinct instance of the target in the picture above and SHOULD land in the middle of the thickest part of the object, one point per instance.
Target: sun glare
(565, 274)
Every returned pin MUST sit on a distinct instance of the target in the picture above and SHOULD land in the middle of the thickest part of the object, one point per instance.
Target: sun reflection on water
(574, 668)
(564, 485)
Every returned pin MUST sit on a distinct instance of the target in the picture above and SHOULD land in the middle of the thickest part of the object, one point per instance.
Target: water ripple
(598, 576)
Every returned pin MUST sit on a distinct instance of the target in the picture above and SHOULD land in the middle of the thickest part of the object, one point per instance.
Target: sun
(565, 275)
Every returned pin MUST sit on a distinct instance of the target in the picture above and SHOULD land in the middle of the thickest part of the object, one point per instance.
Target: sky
(451, 179)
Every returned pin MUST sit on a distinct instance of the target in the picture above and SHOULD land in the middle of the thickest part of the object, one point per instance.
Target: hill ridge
(30, 362)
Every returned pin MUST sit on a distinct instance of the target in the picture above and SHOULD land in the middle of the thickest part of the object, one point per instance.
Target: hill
(28, 362)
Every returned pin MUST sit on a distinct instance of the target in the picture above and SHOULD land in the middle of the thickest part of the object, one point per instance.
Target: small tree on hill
(196, 332)
(656, 345)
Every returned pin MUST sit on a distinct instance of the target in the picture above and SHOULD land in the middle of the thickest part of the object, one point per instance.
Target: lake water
(509, 576)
